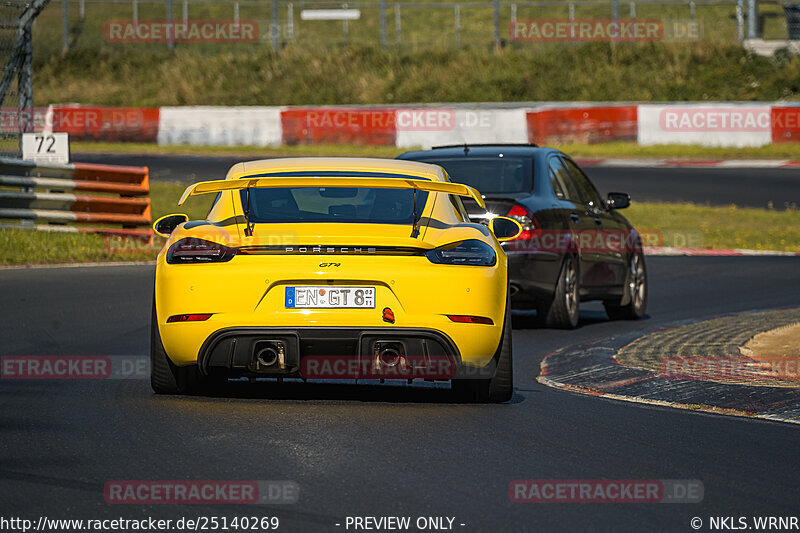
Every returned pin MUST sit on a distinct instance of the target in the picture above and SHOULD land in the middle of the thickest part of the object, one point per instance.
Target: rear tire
(165, 376)
(564, 309)
(500, 387)
(636, 288)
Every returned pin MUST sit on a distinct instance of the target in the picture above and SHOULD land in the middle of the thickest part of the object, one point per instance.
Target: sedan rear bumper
(532, 275)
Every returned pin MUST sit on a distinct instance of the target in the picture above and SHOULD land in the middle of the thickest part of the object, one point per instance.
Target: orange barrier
(587, 125)
(31, 193)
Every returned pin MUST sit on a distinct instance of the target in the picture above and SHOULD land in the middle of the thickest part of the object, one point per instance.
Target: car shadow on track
(530, 320)
(339, 392)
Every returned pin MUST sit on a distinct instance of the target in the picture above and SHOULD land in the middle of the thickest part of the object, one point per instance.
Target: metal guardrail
(30, 193)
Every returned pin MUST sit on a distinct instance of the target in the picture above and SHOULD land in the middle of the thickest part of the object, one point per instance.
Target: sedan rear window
(490, 174)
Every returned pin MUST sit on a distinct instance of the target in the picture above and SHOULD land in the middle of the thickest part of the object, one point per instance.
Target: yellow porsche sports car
(333, 268)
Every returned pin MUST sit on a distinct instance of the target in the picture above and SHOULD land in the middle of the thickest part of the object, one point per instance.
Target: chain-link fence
(12, 93)
(16, 85)
(85, 24)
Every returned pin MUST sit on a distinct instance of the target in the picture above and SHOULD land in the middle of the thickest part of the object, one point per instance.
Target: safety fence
(122, 24)
(30, 194)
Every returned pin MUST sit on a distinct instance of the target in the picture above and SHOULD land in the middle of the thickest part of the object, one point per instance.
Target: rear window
(333, 204)
(490, 174)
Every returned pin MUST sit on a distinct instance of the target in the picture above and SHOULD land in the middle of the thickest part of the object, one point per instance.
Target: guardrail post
(633, 10)
(615, 9)
(82, 5)
(236, 13)
(290, 22)
(692, 11)
(135, 6)
(752, 19)
(571, 20)
(457, 23)
(382, 15)
(740, 20)
(398, 24)
(274, 25)
(170, 33)
(64, 26)
(345, 31)
(496, 24)
(185, 12)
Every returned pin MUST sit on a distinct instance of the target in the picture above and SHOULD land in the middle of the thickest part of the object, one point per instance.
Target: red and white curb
(592, 369)
(681, 163)
(663, 403)
(702, 252)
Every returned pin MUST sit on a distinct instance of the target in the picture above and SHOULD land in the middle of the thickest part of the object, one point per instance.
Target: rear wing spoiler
(458, 189)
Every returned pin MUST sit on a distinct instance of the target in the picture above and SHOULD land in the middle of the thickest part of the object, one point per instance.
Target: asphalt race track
(362, 450)
(757, 187)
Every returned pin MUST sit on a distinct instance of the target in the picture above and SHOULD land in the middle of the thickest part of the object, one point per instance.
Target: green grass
(605, 150)
(701, 71)
(692, 225)
(679, 151)
(674, 224)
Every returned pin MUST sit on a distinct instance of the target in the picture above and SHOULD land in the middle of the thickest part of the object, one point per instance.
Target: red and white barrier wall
(220, 126)
(93, 123)
(709, 124)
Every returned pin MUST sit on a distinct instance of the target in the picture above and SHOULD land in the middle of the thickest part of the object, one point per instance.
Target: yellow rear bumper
(248, 291)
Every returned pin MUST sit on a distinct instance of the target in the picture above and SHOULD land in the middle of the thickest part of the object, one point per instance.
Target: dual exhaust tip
(272, 353)
(269, 354)
(389, 354)
(390, 357)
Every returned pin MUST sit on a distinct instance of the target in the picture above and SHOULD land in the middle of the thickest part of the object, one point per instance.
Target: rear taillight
(470, 252)
(471, 319)
(196, 317)
(199, 251)
(523, 215)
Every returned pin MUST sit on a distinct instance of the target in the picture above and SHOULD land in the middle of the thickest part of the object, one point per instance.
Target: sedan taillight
(525, 218)
(198, 251)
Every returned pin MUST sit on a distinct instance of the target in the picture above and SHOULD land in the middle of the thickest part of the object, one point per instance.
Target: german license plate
(330, 297)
